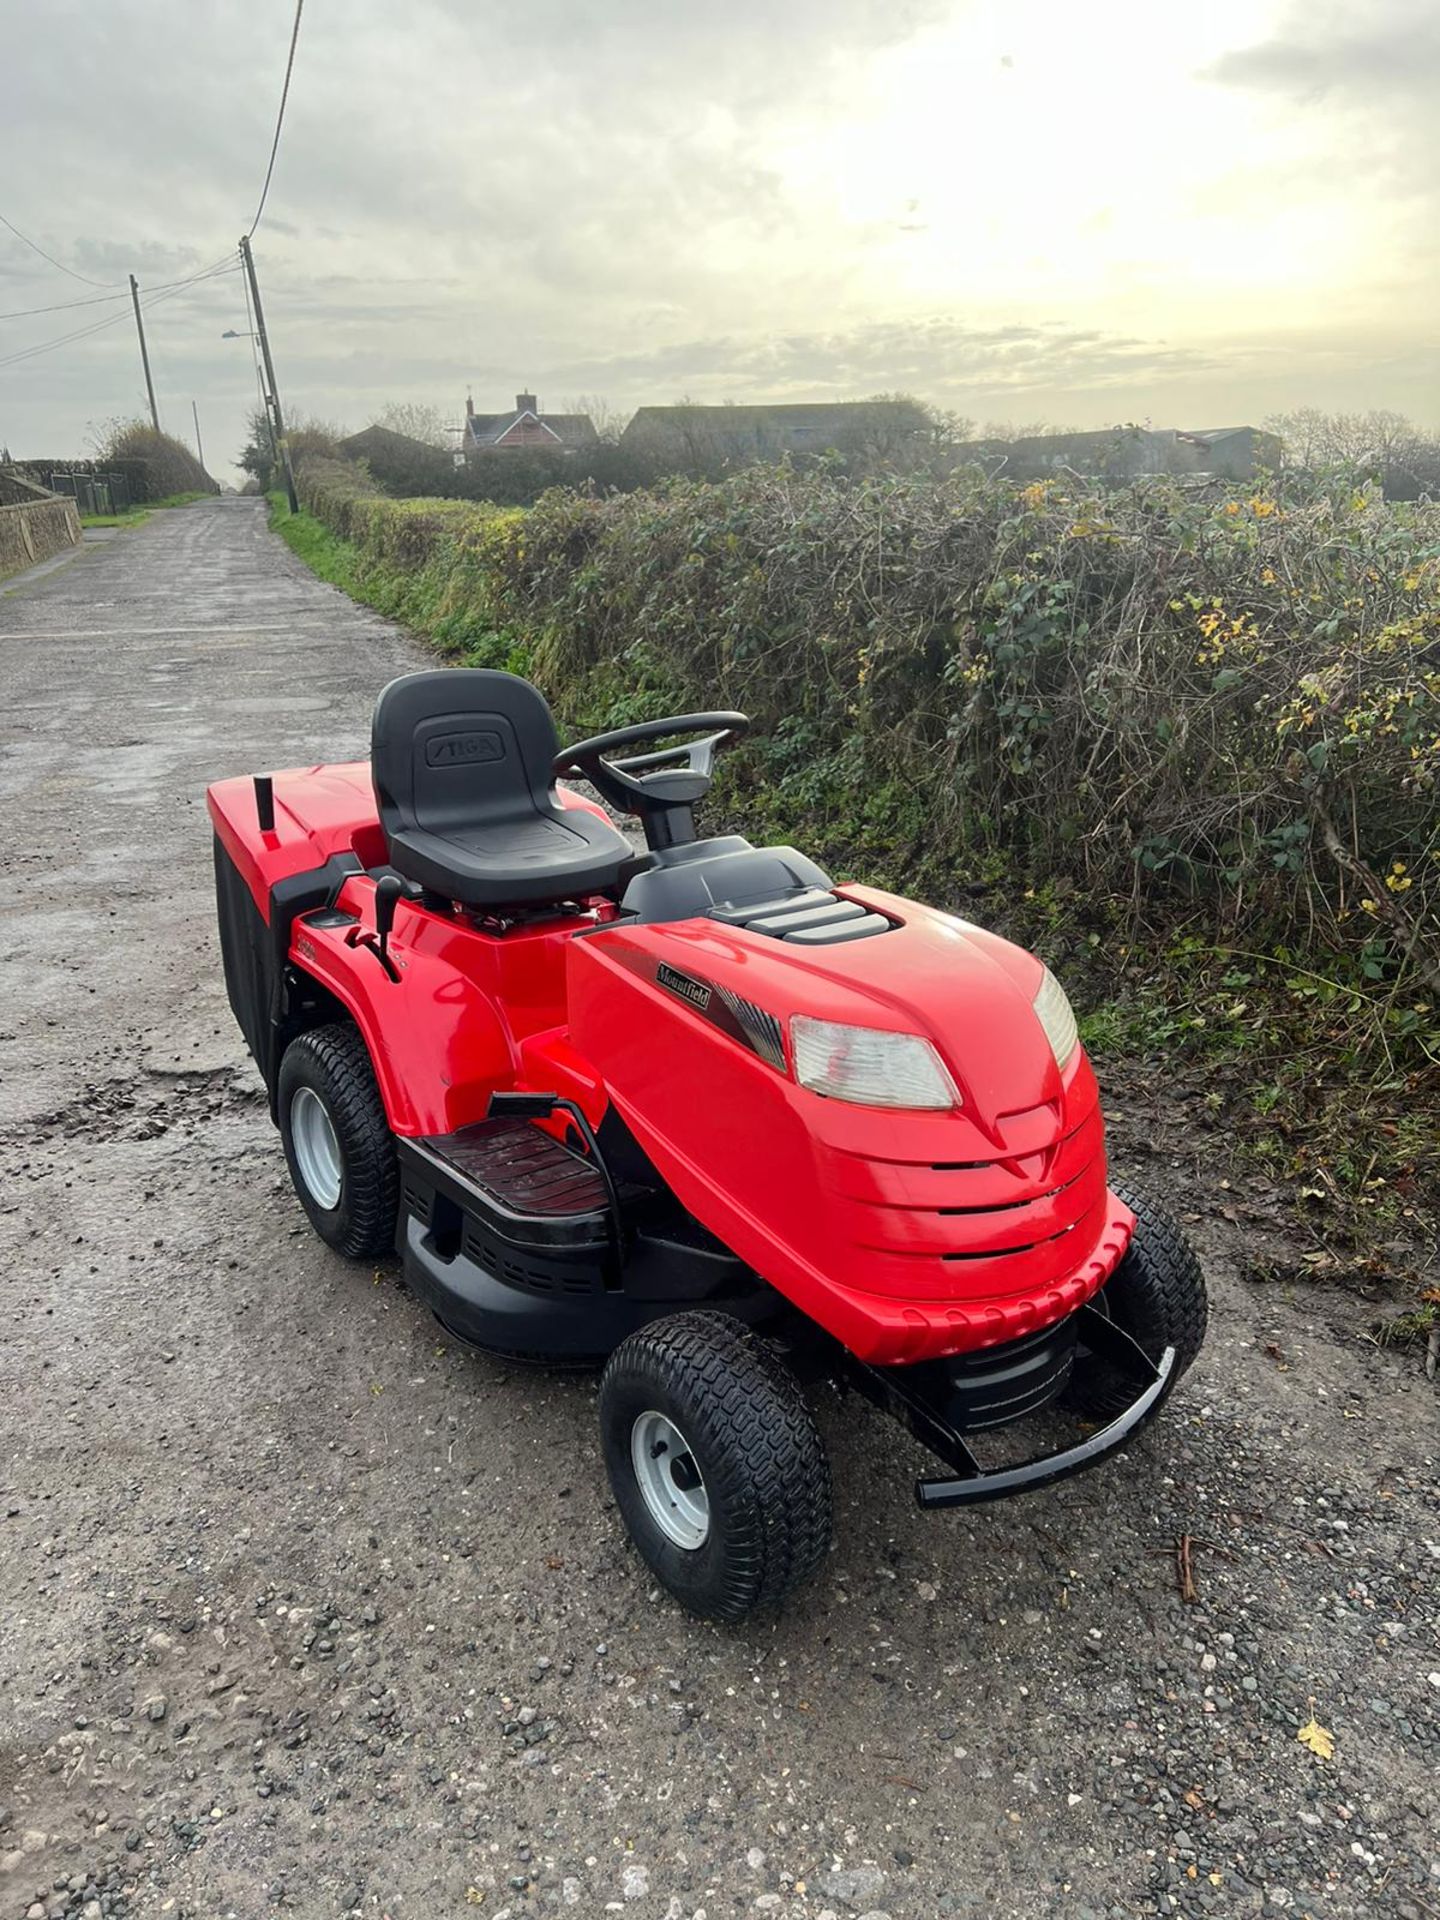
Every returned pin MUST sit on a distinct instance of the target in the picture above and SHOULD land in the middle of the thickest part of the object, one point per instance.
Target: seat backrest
(458, 747)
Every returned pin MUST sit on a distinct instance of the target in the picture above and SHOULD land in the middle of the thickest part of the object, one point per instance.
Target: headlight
(1052, 1010)
(868, 1066)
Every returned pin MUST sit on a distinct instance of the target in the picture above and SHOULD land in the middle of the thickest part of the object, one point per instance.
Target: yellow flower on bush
(1397, 880)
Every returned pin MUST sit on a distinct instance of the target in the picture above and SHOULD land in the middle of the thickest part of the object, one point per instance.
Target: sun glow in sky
(1009, 156)
(1024, 211)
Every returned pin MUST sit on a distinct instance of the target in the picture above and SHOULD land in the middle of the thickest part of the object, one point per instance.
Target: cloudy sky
(1024, 210)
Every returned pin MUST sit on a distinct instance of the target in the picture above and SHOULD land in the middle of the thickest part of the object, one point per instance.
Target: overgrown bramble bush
(1171, 699)
(165, 466)
(1175, 700)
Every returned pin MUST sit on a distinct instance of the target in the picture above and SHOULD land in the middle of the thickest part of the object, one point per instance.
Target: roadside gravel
(307, 1612)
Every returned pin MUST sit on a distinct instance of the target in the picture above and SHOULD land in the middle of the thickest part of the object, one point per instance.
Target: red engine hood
(906, 1234)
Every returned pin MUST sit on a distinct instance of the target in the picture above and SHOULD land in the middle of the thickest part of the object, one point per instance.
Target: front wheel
(716, 1464)
(338, 1144)
(1157, 1296)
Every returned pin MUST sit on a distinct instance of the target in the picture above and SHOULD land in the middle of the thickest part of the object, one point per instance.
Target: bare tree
(609, 422)
(1307, 436)
(416, 419)
(310, 437)
(895, 432)
(1380, 438)
(1008, 430)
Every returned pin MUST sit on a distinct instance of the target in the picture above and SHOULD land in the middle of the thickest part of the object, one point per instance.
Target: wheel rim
(670, 1481)
(317, 1151)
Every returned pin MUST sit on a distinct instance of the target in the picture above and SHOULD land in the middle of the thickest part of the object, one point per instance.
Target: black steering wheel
(650, 784)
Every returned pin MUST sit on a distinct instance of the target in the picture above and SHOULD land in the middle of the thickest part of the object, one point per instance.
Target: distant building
(1233, 453)
(1130, 453)
(383, 443)
(526, 428)
(401, 464)
(732, 435)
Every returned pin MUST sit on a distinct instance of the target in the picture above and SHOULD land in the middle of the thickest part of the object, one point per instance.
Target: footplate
(529, 1188)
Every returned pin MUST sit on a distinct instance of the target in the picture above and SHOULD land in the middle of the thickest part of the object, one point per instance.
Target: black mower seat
(461, 763)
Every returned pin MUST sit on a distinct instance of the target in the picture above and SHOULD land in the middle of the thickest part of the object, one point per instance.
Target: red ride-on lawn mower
(696, 1114)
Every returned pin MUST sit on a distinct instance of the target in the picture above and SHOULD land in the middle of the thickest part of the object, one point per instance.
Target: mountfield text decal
(694, 991)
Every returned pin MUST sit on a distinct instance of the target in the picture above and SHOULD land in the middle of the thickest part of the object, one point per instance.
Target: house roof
(571, 429)
(379, 439)
(1220, 433)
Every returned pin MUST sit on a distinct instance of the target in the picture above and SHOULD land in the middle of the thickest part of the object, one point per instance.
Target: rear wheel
(1157, 1296)
(716, 1463)
(338, 1144)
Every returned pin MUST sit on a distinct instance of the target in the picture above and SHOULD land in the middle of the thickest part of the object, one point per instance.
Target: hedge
(1172, 699)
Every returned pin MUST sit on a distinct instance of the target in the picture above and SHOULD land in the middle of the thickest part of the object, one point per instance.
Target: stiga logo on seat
(695, 991)
(463, 749)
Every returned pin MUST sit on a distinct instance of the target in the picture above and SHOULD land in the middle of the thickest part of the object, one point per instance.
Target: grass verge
(326, 554)
(137, 516)
(422, 599)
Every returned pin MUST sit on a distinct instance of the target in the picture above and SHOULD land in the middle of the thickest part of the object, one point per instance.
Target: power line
(64, 339)
(157, 298)
(168, 289)
(279, 118)
(83, 277)
(225, 265)
(64, 306)
(101, 299)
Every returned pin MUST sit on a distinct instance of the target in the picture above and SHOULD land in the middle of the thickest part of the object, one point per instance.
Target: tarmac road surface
(307, 1612)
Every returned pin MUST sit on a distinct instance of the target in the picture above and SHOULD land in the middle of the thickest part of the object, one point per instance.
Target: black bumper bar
(969, 1483)
(968, 1490)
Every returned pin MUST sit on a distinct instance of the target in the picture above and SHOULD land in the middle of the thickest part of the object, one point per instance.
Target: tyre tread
(1160, 1285)
(761, 1431)
(339, 1058)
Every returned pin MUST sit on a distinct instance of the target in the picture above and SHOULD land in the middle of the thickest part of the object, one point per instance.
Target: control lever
(388, 889)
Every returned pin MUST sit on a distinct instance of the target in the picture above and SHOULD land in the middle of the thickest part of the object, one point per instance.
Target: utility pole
(199, 450)
(274, 394)
(144, 355)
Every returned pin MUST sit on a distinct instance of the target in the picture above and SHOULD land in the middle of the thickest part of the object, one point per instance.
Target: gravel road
(306, 1612)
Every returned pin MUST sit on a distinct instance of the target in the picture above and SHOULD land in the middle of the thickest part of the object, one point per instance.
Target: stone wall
(34, 524)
